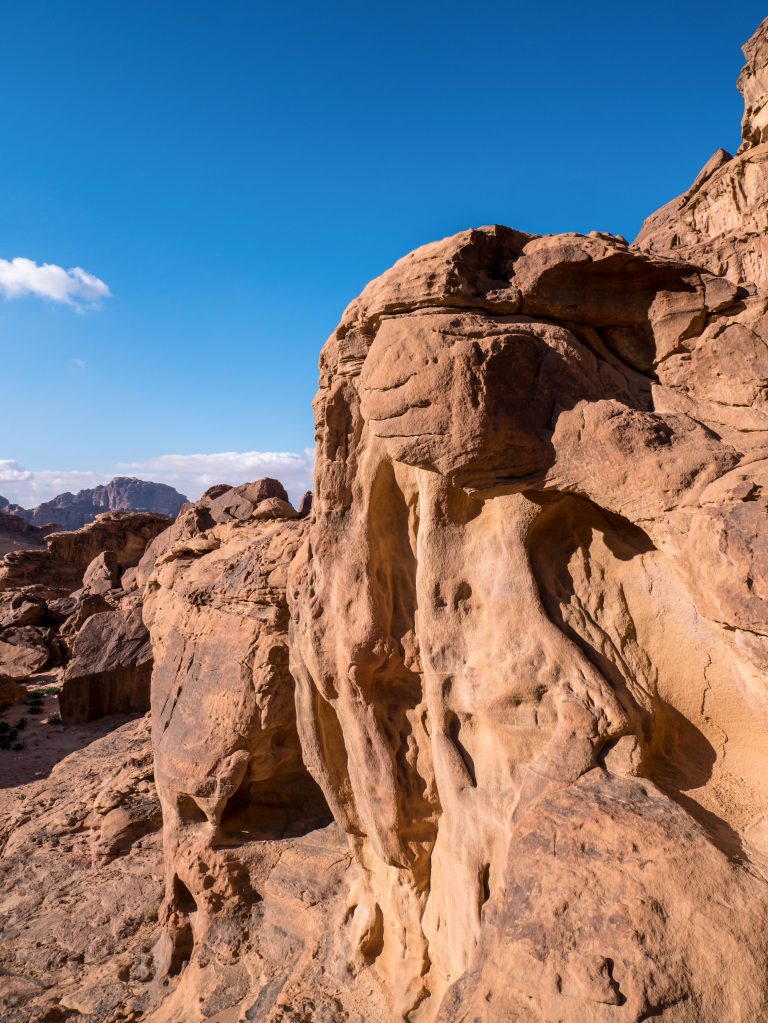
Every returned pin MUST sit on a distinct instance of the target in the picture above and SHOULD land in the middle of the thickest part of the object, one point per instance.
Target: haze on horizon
(190, 198)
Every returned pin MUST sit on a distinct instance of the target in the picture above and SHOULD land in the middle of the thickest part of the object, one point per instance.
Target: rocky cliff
(123, 493)
(17, 534)
(506, 637)
(483, 734)
(722, 220)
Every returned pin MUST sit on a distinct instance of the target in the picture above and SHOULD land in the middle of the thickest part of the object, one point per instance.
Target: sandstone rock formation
(17, 534)
(66, 603)
(529, 626)
(123, 493)
(111, 665)
(722, 220)
(481, 733)
(81, 869)
(58, 569)
(228, 761)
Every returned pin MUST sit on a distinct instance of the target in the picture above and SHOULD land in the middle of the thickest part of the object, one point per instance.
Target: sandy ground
(46, 740)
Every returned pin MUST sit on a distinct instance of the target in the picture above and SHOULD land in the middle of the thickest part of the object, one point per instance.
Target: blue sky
(236, 172)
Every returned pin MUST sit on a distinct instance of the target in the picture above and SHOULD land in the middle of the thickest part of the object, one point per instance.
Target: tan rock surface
(516, 647)
(254, 876)
(78, 910)
(721, 222)
(17, 660)
(111, 667)
(528, 476)
(60, 567)
(47, 598)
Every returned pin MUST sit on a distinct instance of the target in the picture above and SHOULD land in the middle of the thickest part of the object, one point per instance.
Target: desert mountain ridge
(479, 733)
(123, 493)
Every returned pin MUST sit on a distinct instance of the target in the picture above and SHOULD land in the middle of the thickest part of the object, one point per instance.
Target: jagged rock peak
(123, 493)
(753, 85)
(721, 222)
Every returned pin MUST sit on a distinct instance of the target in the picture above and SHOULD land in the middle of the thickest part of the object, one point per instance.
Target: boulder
(84, 607)
(103, 574)
(111, 666)
(24, 608)
(18, 661)
(240, 502)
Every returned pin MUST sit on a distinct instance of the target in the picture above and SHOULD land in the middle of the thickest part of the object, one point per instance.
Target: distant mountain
(123, 493)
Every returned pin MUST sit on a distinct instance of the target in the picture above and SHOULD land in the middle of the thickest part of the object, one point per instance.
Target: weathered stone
(24, 609)
(17, 534)
(519, 440)
(59, 569)
(228, 760)
(111, 666)
(18, 661)
(11, 692)
(103, 573)
(721, 222)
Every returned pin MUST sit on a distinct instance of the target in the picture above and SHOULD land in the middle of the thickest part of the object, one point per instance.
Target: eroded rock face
(17, 534)
(528, 476)
(722, 220)
(81, 879)
(58, 569)
(516, 645)
(228, 761)
(47, 598)
(111, 667)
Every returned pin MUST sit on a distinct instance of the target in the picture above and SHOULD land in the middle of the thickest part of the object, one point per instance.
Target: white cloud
(27, 488)
(189, 474)
(75, 287)
(80, 363)
(11, 471)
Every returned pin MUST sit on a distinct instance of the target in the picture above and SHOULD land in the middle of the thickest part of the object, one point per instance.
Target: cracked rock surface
(481, 733)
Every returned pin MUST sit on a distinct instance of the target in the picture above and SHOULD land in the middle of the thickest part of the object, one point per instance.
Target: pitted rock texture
(240, 809)
(481, 732)
(81, 872)
(722, 220)
(531, 469)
